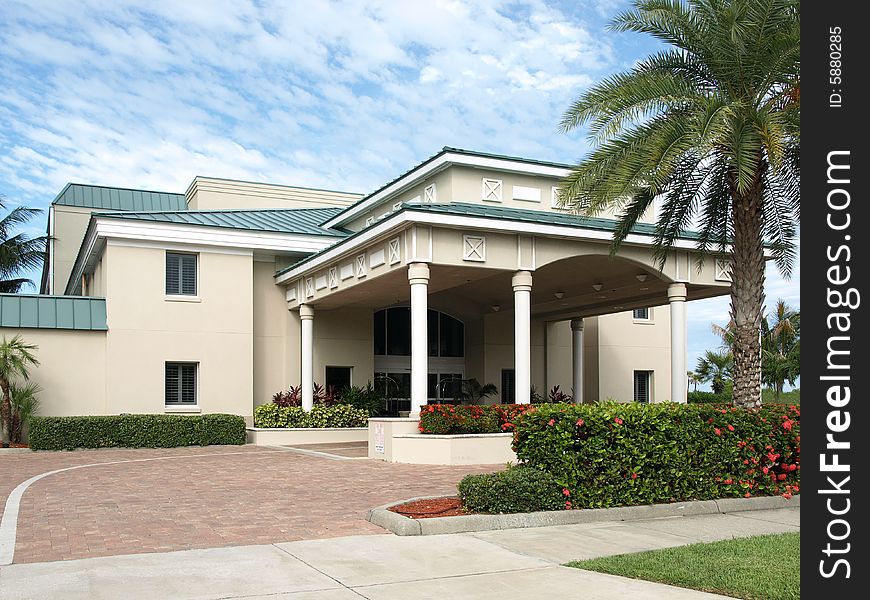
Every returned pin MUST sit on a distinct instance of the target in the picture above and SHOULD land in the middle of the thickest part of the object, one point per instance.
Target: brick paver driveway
(201, 497)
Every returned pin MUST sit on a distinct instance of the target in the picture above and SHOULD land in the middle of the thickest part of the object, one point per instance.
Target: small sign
(379, 438)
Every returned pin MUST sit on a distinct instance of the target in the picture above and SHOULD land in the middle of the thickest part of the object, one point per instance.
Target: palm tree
(694, 380)
(781, 348)
(711, 126)
(471, 391)
(18, 252)
(24, 405)
(715, 367)
(16, 358)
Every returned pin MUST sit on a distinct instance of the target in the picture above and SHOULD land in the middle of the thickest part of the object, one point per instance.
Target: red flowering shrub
(625, 454)
(444, 419)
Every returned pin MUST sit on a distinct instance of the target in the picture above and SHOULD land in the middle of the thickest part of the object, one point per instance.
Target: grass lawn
(790, 397)
(765, 567)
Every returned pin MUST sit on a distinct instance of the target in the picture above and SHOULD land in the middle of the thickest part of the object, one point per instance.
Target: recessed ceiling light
(597, 286)
(643, 289)
(641, 277)
(559, 295)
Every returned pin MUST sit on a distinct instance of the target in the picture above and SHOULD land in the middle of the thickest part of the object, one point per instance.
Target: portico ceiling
(560, 290)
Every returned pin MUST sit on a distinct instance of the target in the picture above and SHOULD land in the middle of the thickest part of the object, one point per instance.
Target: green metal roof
(531, 161)
(52, 312)
(302, 221)
(504, 214)
(110, 198)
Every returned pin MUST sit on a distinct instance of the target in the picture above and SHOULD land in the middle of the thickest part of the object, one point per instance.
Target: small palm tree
(18, 252)
(470, 391)
(16, 358)
(715, 367)
(711, 126)
(24, 405)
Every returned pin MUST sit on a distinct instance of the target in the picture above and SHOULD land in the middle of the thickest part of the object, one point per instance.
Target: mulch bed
(14, 445)
(426, 509)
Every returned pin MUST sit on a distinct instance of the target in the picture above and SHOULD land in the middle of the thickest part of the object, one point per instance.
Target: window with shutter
(641, 314)
(180, 274)
(641, 386)
(181, 383)
(508, 386)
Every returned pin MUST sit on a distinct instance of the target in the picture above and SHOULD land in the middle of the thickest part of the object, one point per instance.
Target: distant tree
(18, 252)
(716, 368)
(781, 348)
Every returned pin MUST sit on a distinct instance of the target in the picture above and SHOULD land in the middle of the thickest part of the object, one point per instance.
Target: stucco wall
(206, 193)
(71, 371)
(146, 329)
(69, 225)
(270, 369)
(626, 346)
(343, 338)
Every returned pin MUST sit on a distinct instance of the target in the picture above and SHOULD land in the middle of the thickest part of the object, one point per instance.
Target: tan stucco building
(463, 267)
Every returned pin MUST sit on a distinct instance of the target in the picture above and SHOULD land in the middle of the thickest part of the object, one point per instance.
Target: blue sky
(339, 95)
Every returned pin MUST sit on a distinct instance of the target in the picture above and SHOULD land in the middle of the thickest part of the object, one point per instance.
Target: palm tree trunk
(5, 414)
(747, 293)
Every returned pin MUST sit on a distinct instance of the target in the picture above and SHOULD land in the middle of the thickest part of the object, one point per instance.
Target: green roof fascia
(39, 311)
(504, 214)
(112, 198)
(539, 216)
(451, 150)
(300, 221)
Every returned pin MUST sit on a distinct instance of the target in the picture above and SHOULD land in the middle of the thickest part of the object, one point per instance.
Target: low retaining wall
(401, 525)
(279, 436)
(399, 440)
(466, 449)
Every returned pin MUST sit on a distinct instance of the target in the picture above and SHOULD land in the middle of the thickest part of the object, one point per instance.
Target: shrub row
(447, 419)
(518, 489)
(135, 431)
(340, 415)
(626, 454)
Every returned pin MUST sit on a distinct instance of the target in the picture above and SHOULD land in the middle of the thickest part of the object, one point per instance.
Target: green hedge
(626, 454)
(517, 489)
(135, 431)
(447, 419)
(340, 415)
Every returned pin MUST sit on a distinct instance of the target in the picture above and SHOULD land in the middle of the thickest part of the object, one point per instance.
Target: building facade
(463, 267)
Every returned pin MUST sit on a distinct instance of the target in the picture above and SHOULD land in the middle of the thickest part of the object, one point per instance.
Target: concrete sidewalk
(507, 564)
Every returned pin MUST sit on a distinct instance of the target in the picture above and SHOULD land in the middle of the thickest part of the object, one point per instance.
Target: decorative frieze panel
(474, 248)
(430, 194)
(395, 251)
(290, 294)
(361, 265)
(377, 258)
(320, 282)
(491, 190)
(332, 276)
(528, 194)
(309, 287)
(346, 271)
(723, 269)
(555, 198)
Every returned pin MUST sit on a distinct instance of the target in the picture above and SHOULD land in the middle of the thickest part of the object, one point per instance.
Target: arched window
(393, 333)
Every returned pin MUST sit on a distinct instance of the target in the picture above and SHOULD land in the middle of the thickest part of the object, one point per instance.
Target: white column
(679, 383)
(306, 314)
(577, 358)
(418, 276)
(522, 284)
